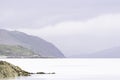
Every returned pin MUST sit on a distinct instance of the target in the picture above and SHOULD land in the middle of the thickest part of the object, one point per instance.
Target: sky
(74, 26)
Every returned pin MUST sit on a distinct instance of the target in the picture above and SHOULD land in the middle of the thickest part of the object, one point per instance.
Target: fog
(82, 37)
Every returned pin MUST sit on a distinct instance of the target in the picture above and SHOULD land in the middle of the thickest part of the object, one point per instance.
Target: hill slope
(16, 51)
(107, 53)
(36, 44)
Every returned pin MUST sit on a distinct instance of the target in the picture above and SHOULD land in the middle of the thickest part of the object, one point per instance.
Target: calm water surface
(69, 69)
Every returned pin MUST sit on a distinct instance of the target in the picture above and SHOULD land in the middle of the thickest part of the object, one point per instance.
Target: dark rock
(40, 73)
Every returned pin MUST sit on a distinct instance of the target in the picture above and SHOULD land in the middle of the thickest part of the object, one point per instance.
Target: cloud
(39, 13)
(75, 26)
(82, 37)
(105, 25)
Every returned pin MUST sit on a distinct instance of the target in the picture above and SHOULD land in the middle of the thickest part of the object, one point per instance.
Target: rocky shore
(8, 70)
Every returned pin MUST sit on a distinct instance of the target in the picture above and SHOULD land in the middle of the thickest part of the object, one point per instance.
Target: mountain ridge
(113, 52)
(34, 43)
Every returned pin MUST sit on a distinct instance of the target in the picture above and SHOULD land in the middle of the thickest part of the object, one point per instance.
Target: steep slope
(36, 44)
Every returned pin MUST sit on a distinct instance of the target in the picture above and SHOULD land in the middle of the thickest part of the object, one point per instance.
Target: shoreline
(8, 70)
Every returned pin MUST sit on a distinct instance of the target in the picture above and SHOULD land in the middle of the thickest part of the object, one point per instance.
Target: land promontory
(8, 70)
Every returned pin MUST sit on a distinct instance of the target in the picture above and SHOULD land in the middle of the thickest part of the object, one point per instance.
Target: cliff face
(37, 45)
(8, 70)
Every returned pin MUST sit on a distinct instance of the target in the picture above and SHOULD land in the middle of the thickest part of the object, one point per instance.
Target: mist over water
(69, 69)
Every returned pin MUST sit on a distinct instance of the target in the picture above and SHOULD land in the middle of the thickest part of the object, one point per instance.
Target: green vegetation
(15, 50)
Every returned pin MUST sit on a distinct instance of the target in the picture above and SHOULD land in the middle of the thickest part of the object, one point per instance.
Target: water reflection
(8, 78)
(32, 77)
(70, 69)
(66, 77)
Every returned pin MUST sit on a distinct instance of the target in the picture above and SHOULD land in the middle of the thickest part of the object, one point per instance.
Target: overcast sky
(74, 26)
(39, 13)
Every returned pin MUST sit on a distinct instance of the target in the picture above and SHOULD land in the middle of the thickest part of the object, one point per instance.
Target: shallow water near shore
(69, 77)
(69, 69)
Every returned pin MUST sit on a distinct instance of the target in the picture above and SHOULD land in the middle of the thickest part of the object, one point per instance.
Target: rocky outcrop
(8, 70)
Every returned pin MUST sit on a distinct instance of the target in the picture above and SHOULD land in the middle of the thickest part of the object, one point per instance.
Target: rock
(8, 70)
(40, 73)
(45, 73)
(52, 73)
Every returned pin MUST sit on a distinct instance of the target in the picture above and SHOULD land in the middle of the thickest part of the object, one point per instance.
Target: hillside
(37, 45)
(16, 51)
(106, 53)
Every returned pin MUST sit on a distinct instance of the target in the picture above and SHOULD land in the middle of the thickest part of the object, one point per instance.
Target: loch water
(69, 69)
